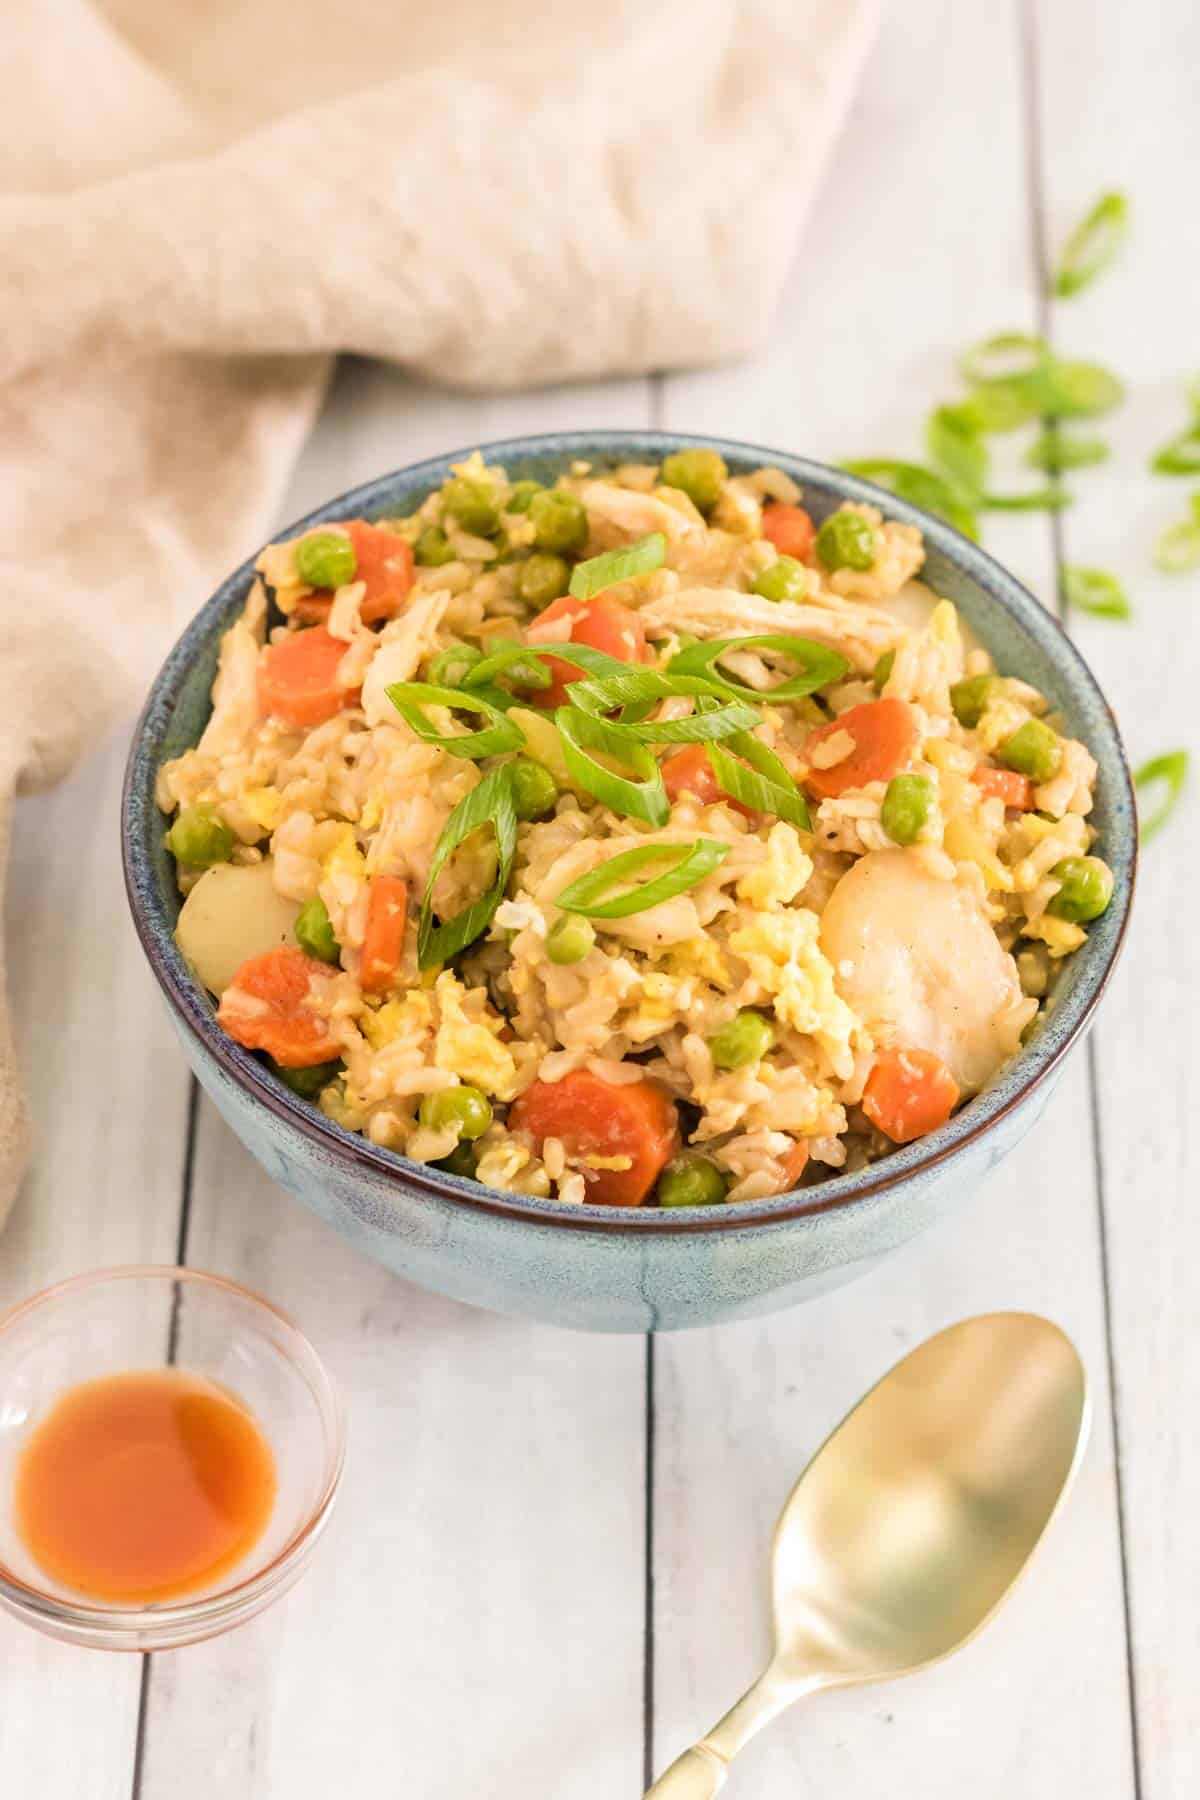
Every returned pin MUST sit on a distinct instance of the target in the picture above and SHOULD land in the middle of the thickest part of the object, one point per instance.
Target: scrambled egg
(787, 963)
(467, 1046)
(264, 805)
(781, 875)
(343, 856)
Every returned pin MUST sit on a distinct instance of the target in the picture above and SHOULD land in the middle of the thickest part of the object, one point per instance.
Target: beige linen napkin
(201, 202)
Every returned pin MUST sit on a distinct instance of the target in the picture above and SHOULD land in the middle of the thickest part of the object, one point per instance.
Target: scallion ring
(1177, 549)
(1093, 244)
(716, 715)
(599, 572)
(1170, 769)
(1181, 456)
(1005, 357)
(690, 864)
(1096, 592)
(818, 666)
(488, 804)
(450, 667)
(765, 786)
(1051, 498)
(956, 444)
(1053, 451)
(514, 661)
(642, 798)
(920, 487)
(411, 697)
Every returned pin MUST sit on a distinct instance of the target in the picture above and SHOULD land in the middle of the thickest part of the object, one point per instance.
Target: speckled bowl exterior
(589, 1267)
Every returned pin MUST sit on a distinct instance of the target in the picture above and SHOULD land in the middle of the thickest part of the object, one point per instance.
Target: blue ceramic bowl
(585, 1266)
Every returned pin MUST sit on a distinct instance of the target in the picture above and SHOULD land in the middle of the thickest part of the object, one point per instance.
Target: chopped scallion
(1170, 771)
(592, 894)
(1093, 244)
(600, 572)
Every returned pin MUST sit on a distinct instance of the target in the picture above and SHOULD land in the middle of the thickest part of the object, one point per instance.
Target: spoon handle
(696, 1775)
(700, 1772)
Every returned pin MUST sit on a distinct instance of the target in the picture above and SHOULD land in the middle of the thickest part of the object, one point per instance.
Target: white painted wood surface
(478, 1623)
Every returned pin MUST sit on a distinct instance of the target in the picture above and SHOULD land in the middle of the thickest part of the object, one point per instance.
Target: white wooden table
(547, 1573)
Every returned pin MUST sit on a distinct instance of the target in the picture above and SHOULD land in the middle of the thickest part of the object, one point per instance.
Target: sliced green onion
(410, 697)
(720, 718)
(920, 487)
(600, 572)
(1170, 769)
(644, 798)
(1080, 389)
(818, 665)
(1093, 244)
(958, 449)
(690, 864)
(491, 803)
(1181, 456)
(1196, 506)
(1054, 450)
(1178, 547)
(584, 658)
(450, 667)
(1000, 406)
(766, 786)
(1051, 498)
(517, 662)
(1095, 591)
(1005, 357)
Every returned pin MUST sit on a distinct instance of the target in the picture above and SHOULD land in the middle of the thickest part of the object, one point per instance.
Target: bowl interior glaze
(1024, 638)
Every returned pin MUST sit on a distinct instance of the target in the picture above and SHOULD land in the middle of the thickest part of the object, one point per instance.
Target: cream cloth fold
(201, 203)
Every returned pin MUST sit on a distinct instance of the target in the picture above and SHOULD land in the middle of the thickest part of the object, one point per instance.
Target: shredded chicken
(860, 632)
(401, 647)
(235, 690)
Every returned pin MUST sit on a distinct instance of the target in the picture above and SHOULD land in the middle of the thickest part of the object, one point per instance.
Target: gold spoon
(912, 1522)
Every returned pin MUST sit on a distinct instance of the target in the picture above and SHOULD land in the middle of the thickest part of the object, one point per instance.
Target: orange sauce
(143, 1486)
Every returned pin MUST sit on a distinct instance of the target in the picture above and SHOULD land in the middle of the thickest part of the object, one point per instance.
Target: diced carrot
(1005, 784)
(688, 771)
(383, 938)
(790, 529)
(602, 623)
(385, 564)
(267, 1006)
(883, 734)
(909, 1093)
(635, 1122)
(794, 1165)
(314, 608)
(297, 678)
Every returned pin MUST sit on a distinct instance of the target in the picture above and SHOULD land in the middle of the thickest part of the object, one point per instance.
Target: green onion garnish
(410, 697)
(1093, 244)
(1181, 456)
(920, 487)
(642, 798)
(515, 661)
(491, 803)
(1026, 370)
(1171, 770)
(1054, 450)
(719, 718)
(1007, 356)
(600, 572)
(957, 447)
(1095, 591)
(690, 864)
(765, 786)
(450, 667)
(1000, 406)
(1080, 389)
(818, 665)
(1051, 498)
(1178, 547)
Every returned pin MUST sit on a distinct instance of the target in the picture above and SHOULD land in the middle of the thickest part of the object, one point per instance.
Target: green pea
(570, 939)
(461, 1161)
(472, 504)
(326, 559)
(691, 1181)
(881, 674)
(560, 521)
(464, 1109)
(786, 579)
(314, 932)
(543, 579)
(450, 667)
(1086, 886)
(745, 1039)
(846, 541)
(433, 548)
(520, 495)
(906, 807)
(970, 697)
(305, 1082)
(534, 789)
(200, 837)
(700, 474)
(1033, 750)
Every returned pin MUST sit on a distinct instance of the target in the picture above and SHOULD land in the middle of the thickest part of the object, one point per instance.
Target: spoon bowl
(913, 1520)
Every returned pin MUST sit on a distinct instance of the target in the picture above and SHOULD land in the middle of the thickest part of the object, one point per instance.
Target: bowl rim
(1019, 1078)
(228, 1604)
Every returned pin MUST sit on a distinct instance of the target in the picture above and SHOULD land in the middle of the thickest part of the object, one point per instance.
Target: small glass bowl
(150, 1318)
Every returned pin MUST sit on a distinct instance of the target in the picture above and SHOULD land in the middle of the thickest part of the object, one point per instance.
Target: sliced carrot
(688, 771)
(268, 1006)
(794, 1165)
(883, 736)
(601, 623)
(635, 1122)
(1005, 784)
(909, 1093)
(790, 529)
(385, 564)
(297, 678)
(383, 938)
